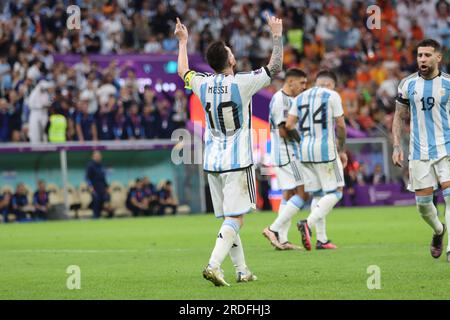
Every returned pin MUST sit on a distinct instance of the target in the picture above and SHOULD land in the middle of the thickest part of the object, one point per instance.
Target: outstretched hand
(181, 31)
(275, 24)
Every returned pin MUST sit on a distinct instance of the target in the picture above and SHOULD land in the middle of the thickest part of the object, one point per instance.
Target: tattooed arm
(401, 114)
(341, 134)
(276, 60)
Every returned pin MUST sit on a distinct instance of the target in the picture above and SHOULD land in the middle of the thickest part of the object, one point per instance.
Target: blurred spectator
(85, 125)
(5, 204)
(57, 126)
(19, 203)
(378, 176)
(149, 121)
(180, 113)
(362, 177)
(137, 202)
(40, 201)
(5, 121)
(164, 120)
(152, 45)
(152, 195)
(105, 121)
(96, 179)
(135, 128)
(167, 199)
(120, 121)
(39, 101)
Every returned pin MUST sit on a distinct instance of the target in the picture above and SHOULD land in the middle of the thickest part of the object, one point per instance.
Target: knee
(318, 194)
(423, 204)
(337, 194)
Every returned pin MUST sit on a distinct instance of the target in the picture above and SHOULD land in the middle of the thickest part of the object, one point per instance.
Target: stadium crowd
(319, 34)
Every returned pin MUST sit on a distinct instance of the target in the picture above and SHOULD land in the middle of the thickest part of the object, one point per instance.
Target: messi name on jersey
(218, 89)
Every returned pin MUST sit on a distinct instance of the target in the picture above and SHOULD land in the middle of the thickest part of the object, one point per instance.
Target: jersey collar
(438, 75)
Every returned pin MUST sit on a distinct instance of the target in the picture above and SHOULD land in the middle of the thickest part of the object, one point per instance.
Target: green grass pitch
(162, 258)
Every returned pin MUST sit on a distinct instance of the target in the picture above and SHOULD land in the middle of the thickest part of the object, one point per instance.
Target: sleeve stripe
(402, 101)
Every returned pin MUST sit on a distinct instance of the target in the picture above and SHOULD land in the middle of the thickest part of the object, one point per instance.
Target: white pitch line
(88, 250)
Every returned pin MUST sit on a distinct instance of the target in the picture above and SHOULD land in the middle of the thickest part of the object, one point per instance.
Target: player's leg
(446, 194)
(291, 180)
(331, 179)
(243, 202)
(442, 169)
(321, 226)
(423, 181)
(276, 233)
(288, 180)
(225, 236)
(232, 205)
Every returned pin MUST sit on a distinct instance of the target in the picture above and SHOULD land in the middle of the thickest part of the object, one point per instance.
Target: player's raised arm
(182, 34)
(276, 60)
(400, 115)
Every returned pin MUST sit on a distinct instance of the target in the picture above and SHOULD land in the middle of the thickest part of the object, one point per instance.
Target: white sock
(323, 207)
(321, 232)
(428, 211)
(293, 205)
(283, 233)
(314, 202)
(225, 239)
(446, 194)
(237, 255)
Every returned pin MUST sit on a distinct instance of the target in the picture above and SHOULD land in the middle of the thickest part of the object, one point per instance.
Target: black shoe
(305, 232)
(436, 243)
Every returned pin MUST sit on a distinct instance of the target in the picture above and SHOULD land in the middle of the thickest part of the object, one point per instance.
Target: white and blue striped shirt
(316, 109)
(428, 101)
(227, 101)
(282, 151)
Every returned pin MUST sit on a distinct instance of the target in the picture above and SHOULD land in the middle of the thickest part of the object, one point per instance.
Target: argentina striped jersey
(227, 101)
(428, 101)
(282, 151)
(316, 109)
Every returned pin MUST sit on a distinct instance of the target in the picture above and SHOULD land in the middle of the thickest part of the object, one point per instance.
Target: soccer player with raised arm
(227, 100)
(323, 157)
(424, 97)
(285, 157)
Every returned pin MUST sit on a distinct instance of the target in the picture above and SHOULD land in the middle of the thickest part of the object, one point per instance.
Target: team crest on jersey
(257, 71)
(443, 91)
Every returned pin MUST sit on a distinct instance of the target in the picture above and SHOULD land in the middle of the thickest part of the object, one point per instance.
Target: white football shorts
(325, 176)
(289, 176)
(428, 173)
(233, 193)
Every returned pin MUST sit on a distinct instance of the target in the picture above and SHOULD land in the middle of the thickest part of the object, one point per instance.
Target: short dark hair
(328, 74)
(295, 72)
(429, 43)
(217, 55)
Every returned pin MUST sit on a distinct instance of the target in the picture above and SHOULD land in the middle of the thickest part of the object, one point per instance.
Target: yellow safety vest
(295, 39)
(57, 129)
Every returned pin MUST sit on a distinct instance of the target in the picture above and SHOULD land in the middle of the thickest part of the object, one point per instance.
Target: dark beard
(427, 73)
